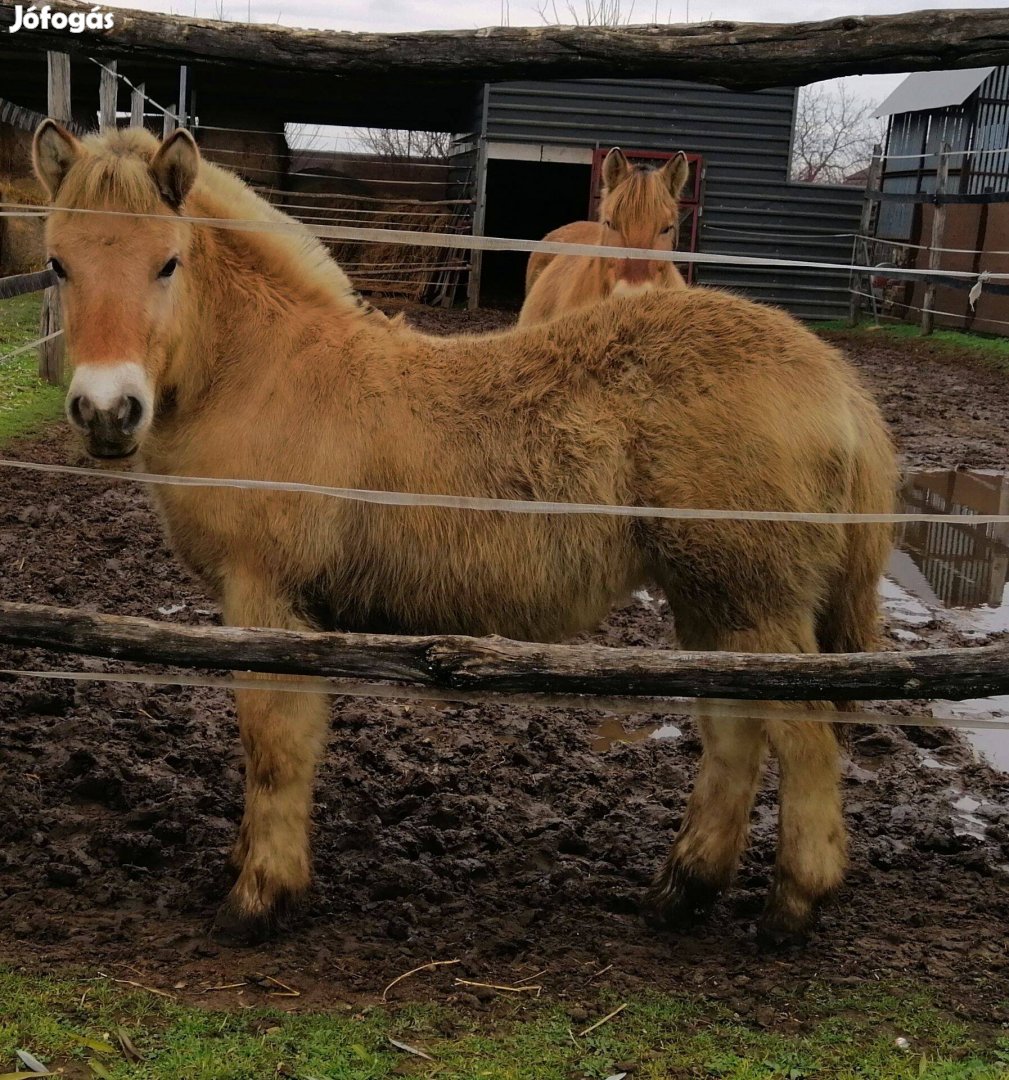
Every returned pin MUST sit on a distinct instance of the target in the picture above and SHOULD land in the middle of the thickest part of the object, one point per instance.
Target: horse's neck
(241, 322)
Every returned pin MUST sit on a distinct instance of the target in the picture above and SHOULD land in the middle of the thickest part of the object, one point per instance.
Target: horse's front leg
(284, 735)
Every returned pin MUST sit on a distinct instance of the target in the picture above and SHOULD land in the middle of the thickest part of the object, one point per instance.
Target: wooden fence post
(137, 106)
(183, 96)
(51, 353)
(934, 254)
(479, 219)
(872, 185)
(169, 122)
(108, 96)
(59, 85)
(480, 208)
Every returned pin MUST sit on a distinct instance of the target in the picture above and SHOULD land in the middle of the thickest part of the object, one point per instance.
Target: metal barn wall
(749, 208)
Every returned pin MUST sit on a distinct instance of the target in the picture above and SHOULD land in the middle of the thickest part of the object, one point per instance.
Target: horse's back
(722, 382)
(577, 232)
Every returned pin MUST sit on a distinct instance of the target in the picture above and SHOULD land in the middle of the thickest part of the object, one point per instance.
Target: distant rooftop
(933, 90)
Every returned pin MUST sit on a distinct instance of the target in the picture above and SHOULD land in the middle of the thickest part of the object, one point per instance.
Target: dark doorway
(526, 199)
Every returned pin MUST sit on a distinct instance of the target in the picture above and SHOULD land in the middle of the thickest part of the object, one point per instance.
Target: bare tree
(834, 134)
(591, 13)
(396, 143)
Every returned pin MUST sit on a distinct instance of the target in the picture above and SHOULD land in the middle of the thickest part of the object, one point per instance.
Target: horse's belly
(410, 570)
(545, 590)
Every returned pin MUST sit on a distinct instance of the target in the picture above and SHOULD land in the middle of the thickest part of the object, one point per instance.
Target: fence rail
(23, 284)
(498, 665)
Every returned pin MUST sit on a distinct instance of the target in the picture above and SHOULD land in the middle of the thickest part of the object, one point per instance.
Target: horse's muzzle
(108, 433)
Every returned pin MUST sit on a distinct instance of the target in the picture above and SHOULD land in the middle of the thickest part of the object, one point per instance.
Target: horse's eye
(607, 224)
(57, 268)
(668, 229)
(169, 268)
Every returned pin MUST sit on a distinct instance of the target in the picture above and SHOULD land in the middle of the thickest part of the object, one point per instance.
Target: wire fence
(497, 243)
(509, 506)
(639, 706)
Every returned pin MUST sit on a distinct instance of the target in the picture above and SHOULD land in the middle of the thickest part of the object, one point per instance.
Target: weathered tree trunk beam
(737, 55)
(502, 666)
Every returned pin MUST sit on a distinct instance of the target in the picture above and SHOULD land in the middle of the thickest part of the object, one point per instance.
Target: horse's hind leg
(811, 844)
(716, 824)
(283, 734)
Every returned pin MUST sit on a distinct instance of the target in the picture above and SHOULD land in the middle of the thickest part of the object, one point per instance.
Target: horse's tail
(850, 619)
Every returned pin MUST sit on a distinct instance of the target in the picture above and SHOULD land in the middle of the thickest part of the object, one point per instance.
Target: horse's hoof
(680, 898)
(235, 928)
(783, 929)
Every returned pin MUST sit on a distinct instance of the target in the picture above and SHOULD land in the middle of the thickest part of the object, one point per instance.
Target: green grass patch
(988, 349)
(25, 401)
(76, 1025)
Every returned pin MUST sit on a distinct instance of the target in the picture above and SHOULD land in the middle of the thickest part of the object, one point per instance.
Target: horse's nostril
(130, 413)
(82, 412)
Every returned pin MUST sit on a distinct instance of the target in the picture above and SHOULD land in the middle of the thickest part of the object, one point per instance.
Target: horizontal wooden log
(23, 284)
(737, 55)
(498, 665)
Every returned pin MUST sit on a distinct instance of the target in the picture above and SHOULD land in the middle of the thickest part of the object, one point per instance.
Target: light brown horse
(639, 208)
(246, 353)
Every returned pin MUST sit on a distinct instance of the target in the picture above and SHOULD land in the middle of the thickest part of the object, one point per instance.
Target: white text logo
(47, 19)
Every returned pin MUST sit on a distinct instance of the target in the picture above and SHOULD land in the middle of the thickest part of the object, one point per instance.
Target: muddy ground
(499, 836)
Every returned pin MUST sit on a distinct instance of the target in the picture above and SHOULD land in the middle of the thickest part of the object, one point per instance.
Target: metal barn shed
(967, 110)
(525, 156)
(540, 141)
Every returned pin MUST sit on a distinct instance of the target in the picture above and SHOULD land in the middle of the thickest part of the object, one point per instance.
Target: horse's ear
(54, 150)
(676, 171)
(615, 168)
(175, 166)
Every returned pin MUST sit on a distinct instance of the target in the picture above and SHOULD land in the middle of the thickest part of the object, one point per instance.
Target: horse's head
(120, 276)
(640, 209)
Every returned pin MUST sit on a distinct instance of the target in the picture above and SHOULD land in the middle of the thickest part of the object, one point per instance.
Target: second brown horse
(639, 208)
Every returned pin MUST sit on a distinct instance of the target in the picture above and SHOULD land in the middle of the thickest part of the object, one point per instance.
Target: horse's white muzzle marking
(112, 404)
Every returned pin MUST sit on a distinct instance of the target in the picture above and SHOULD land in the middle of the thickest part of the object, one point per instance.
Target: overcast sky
(388, 15)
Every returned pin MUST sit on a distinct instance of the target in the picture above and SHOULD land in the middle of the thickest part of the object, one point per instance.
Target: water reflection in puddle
(953, 565)
(611, 733)
(959, 570)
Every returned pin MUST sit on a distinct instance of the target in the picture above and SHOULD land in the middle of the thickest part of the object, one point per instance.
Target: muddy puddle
(957, 573)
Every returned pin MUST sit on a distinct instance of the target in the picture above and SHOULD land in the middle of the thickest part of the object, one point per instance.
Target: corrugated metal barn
(541, 138)
(525, 155)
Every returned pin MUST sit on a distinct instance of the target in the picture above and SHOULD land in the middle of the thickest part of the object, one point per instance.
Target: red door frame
(690, 200)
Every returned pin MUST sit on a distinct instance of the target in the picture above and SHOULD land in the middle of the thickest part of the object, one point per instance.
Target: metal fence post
(934, 254)
(872, 186)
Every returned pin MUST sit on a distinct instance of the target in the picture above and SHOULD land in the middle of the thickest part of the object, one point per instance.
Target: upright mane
(114, 173)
